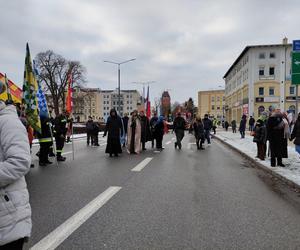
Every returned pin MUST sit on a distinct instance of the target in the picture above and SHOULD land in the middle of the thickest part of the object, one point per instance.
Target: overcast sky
(182, 45)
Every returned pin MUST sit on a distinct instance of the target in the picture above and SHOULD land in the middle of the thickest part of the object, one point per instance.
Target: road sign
(296, 68)
(296, 45)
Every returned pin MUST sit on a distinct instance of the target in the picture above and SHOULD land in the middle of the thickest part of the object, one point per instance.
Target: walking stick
(53, 144)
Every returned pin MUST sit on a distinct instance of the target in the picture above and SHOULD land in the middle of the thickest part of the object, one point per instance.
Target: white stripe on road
(168, 142)
(142, 164)
(56, 237)
(66, 153)
(173, 139)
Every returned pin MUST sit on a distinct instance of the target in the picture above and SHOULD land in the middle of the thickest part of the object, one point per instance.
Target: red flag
(148, 110)
(69, 101)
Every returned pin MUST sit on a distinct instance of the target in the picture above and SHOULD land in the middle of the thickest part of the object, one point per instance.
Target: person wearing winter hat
(15, 159)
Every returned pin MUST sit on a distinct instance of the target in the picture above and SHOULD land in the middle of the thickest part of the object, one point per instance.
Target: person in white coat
(15, 210)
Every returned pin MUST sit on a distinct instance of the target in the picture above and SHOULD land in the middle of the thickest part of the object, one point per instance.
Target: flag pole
(72, 131)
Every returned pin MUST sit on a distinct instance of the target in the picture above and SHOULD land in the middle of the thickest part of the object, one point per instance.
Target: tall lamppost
(119, 83)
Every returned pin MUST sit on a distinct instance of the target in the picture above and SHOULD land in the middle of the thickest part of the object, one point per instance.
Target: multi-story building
(87, 102)
(211, 102)
(129, 100)
(259, 79)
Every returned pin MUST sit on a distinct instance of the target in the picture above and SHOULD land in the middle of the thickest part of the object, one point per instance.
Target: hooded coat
(114, 128)
(15, 159)
(137, 135)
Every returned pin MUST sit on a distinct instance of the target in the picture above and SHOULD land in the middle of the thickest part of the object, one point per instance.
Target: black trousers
(159, 139)
(95, 137)
(60, 142)
(44, 151)
(90, 136)
(15, 245)
(179, 136)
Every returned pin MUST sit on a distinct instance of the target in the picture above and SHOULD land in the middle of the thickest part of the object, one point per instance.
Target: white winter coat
(15, 211)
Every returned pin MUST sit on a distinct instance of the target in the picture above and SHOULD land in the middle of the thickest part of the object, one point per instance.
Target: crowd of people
(271, 132)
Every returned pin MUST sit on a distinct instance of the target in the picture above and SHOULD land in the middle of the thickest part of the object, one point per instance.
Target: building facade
(97, 103)
(259, 79)
(211, 102)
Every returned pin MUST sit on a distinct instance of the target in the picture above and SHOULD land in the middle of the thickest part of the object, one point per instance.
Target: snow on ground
(291, 171)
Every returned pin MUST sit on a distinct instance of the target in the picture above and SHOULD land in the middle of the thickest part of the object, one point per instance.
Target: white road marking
(189, 146)
(142, 164)
(173, 139)
(61, 233)
(66, 153)
(168, 142)
(156, 151)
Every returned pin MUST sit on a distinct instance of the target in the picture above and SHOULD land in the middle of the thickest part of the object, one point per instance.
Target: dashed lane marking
(61, 233)
(168, 142)
(142, 164)
(173, 139)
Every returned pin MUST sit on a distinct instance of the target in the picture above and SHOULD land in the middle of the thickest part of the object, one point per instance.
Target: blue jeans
(297, 148)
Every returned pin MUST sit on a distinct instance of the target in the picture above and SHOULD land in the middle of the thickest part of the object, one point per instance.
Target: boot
(60, 158)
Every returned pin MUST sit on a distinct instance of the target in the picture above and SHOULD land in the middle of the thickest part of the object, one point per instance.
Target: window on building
(218, 98)
(261, 70)
(271, 71)
(261, 91)
(272, 55)
(218, 108)
(127, 96)
(223, 98)
(114, 103)
(292, 90)
(212, 107)
(93, 111)
(107, 102)
(261, 55)
(212, 98)
(271, 91)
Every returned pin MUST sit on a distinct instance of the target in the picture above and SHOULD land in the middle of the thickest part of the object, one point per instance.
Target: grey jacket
(15, 211)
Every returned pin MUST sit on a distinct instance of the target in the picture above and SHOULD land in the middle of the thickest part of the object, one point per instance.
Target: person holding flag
(45, 137)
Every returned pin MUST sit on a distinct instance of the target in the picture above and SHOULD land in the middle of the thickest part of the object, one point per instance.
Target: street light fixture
(119, 83)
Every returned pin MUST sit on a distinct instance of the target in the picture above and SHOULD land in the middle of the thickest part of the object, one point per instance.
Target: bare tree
(54, 72)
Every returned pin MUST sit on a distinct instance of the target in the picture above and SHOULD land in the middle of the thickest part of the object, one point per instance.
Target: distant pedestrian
(90, 131)
(199, 132)
(15, 159)
(125, 125)
(159, 132)
(276, 137)
(96, 129)
(45, 140)
(214, 125)
(260, 138)
(60, 127)
(251, 123)
(134, 134)
(179, 125)
(233, 126)
(207, 127)
(113, 130)
(145, 130)
(153, 121)
(296, 135)
(242, 127)
(226, 125)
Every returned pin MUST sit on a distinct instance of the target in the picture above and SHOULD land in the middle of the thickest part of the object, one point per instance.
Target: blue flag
(42, 102)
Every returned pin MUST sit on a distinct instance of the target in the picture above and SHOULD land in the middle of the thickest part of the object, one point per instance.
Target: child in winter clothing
(260, 138)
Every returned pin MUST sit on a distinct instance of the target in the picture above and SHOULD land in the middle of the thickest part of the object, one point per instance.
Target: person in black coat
(275, 135)
(114, 129)
(153, 121)
(90, 131)
(296, 135)
(125, 124)
(145, 129)
(179, 125)
(207, 123)
(45, 140)
(199, 132)
(159, 132)
(260, 138)
(242, 127)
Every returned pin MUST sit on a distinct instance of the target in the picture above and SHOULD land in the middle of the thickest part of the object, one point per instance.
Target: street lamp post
(119, 80)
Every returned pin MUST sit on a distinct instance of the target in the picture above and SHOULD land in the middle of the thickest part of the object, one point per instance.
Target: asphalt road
(184, 199)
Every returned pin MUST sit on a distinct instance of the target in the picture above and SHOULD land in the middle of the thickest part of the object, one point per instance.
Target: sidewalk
(290, 173)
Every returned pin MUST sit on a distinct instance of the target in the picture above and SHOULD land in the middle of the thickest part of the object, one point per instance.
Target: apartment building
(211, 102)
(259, 79)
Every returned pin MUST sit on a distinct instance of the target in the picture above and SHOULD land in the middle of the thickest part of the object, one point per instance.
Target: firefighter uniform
(45, 141)
(60, 131)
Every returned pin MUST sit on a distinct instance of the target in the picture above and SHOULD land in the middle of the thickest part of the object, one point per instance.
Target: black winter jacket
(296, 133)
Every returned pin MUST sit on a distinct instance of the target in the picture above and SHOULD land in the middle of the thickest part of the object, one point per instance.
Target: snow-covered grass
(291, 171)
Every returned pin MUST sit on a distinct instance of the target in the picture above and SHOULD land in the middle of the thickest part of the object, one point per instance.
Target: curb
(290, 183)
